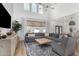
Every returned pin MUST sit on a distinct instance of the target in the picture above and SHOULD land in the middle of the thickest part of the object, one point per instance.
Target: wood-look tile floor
(21, 49)
(77, 48)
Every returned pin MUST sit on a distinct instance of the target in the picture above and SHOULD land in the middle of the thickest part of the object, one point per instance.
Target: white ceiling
(64, 9)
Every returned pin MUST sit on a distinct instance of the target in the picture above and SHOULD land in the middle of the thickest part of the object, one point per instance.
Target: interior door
(58, 29)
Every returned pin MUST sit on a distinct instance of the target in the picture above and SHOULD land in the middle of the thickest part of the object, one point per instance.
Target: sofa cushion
(57, 49)
(51, 34)
(39, 37)
(31, 35)
(26, 34)
(46, 34)
(71, 44)
(69, 47)
(69, 35)
(29, 39)
(64, 42)
(60, 36)
(54, 35)
(39, 34)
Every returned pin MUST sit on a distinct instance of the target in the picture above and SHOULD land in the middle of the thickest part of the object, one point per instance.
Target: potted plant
(16, 26)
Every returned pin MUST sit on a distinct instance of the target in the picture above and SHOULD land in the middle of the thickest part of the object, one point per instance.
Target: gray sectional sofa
(33, 37)
(67, 44)
(52, 36)
(55, 37)
(66, 48)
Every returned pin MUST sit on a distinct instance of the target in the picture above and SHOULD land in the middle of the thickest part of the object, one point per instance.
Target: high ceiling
(48, 5)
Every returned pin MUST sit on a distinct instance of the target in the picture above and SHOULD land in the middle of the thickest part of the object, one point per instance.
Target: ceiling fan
(48, 5)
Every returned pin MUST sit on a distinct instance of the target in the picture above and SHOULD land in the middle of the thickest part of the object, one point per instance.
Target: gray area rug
(40, 50)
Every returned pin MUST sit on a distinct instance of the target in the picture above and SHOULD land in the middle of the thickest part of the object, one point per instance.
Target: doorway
(58, 29)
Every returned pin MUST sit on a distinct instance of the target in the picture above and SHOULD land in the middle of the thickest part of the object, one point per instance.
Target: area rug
(37, 50)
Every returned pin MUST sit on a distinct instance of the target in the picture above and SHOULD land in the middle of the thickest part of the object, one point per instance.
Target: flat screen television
(5, 18)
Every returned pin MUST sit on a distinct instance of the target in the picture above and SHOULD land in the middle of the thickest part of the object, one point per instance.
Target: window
(36, 30)
(40, 9)
(27, 6)
(44, 30)
(33, 7)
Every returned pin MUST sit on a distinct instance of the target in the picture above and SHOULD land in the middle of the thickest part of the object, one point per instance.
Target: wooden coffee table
(42, 41)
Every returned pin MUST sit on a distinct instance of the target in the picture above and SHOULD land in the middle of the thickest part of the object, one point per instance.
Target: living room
(39, 29)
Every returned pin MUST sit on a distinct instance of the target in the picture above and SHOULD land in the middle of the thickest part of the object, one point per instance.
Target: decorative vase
(3, 36)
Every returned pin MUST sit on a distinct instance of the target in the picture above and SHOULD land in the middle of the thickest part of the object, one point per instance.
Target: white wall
(61, 15)
(9, 7)
(52, 17)
(21, 15)
(17, 12)
(64, 21)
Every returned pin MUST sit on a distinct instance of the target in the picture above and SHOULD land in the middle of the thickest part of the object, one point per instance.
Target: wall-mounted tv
(5, 18)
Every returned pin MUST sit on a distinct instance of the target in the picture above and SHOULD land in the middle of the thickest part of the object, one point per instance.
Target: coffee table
(42, 41)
